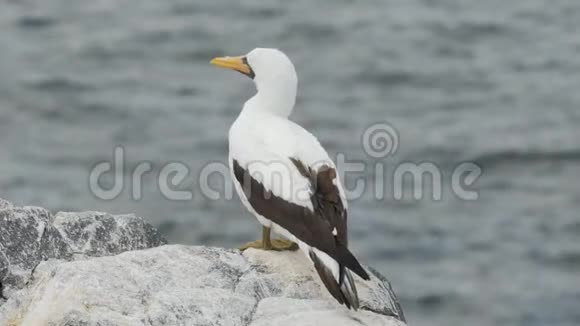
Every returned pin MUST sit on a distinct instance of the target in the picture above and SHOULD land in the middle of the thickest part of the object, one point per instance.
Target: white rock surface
(94, 269)
(181, 285)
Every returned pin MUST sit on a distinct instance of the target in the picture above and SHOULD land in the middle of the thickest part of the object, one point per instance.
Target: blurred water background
(494, 82)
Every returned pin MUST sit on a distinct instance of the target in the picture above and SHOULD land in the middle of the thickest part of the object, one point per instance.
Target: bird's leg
(266, 243)
(276, 244)
(270, 244)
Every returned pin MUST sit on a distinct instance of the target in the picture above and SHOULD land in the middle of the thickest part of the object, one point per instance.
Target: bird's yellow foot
(270, 244)
(283, 245)
(274, 244)
(254, 244)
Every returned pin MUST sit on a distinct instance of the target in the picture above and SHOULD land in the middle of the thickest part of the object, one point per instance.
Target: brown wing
(316, 228)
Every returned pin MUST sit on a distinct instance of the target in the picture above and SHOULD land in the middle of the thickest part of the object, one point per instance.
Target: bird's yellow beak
(236, 63)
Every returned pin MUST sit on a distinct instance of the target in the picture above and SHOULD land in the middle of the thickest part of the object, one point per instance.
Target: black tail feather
(346, 258)
(344, 290)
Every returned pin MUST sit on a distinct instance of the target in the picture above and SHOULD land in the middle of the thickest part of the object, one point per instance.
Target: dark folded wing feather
(324, 228)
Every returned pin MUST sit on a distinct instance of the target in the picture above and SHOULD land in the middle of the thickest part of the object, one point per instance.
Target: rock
(291, 275)
(26, 238)
(291, 312)
(5, 204)
(29, 235)
(102, 234)
(183, 285)
(94, 268)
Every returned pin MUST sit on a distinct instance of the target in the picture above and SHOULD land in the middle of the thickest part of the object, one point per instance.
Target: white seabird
(285, 177)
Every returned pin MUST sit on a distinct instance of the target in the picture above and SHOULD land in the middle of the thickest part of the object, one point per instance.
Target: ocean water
(493, 82)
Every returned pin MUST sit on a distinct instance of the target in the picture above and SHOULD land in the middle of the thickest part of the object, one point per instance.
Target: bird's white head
(274, 76)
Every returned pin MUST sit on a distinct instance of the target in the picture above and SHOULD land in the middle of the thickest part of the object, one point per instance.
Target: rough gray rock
(181, 285)
(29, 235)
(101, 234)
(5, 204)
(26, 238)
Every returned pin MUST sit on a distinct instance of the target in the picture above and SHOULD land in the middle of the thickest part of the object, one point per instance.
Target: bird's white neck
(273, 98)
